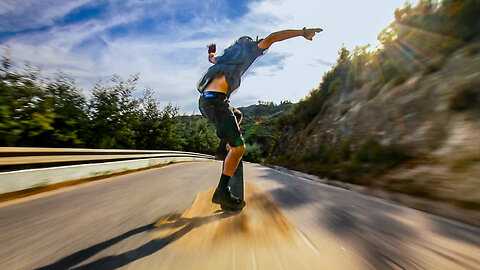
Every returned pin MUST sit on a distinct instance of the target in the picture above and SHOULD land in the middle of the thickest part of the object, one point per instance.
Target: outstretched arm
(307, 33)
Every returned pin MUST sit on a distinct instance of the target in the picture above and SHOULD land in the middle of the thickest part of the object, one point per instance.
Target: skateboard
(236, 181)
(236, 184)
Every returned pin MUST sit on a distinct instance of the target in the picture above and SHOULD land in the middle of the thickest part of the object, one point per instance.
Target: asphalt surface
(107, 224)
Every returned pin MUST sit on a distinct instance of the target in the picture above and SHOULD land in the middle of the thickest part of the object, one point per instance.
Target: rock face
(431, 120)
(415, 115)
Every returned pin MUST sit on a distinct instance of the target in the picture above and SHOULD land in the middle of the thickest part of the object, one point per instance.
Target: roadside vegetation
(401, 117)
(419, 41)
(39, 111)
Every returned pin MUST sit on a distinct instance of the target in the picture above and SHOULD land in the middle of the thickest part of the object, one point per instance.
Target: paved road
(108, 224)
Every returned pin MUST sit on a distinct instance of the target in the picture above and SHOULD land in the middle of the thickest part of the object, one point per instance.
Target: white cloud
(18, 15)
(7, 6)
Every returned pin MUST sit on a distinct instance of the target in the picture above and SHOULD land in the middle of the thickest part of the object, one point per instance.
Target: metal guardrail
(20, 158)
(23, 168)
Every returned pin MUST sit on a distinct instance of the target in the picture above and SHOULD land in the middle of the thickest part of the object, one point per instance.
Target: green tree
(113, 113)
(25, 109)
(196, 134)
(70, 121)
(147, 130)
(156, 128)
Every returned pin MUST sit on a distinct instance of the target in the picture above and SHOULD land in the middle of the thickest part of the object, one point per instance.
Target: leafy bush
(253, 153)
(196, 134)
(373, 152)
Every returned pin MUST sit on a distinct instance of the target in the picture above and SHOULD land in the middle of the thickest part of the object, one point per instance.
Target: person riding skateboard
(216, 86)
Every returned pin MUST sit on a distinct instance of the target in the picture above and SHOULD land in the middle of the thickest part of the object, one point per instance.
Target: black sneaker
(228, 202)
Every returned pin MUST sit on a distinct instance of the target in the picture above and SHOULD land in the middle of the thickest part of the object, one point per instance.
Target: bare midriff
(218, 85)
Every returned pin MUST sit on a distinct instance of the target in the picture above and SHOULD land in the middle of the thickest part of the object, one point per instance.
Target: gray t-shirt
(234, 61)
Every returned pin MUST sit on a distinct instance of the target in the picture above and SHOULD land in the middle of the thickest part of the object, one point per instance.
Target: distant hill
(258, 128)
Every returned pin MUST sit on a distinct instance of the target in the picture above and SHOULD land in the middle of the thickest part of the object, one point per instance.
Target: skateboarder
(216, 86)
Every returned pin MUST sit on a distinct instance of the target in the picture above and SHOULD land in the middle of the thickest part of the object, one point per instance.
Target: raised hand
(212, 48)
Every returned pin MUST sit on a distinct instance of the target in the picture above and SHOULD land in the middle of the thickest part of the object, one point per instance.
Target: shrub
(379, 157)
(253, 153)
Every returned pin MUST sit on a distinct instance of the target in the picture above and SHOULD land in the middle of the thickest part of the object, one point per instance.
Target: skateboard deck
(236, 185)
(236, 181)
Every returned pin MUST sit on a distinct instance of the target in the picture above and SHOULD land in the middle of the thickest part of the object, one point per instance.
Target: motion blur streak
(163, 219)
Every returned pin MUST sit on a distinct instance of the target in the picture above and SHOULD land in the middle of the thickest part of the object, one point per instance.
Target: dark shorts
(215, 107)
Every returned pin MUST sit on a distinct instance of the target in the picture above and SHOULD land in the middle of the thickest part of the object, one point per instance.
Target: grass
(344, 163)
(411, 187)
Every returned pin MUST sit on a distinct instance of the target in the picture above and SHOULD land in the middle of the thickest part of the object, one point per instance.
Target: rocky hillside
(403, 121)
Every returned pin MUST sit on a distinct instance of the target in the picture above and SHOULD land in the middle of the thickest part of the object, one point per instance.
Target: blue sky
(165, 41)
